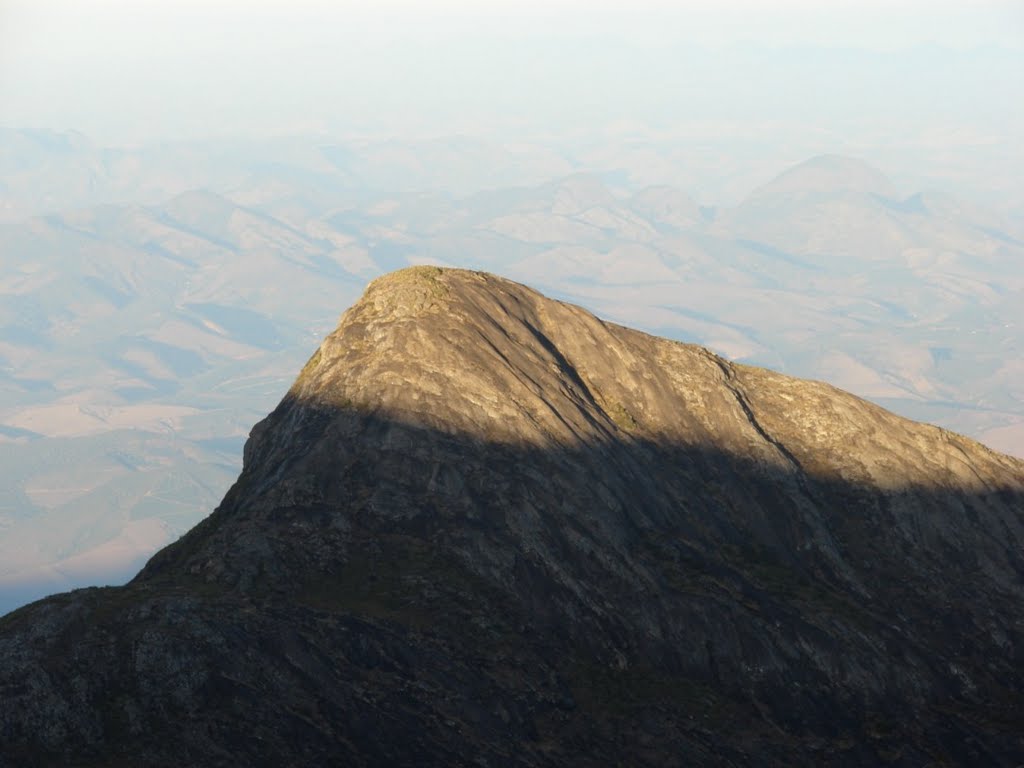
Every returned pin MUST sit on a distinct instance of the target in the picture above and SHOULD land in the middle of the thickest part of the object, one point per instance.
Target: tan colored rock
(485, 527)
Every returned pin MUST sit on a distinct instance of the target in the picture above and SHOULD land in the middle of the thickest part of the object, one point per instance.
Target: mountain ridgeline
(487, 528)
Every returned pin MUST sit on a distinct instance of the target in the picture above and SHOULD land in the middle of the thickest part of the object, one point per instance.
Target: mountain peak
(484, 525)
(828, 174)
(458, 349)
(466, 348)
(412, 290)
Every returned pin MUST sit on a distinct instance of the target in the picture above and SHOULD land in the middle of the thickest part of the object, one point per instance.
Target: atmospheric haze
(190, 194)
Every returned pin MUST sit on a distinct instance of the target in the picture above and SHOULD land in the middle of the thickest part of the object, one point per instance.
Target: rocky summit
(486, 528)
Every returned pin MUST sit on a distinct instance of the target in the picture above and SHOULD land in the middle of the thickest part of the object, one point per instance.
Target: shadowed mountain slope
(487, 528)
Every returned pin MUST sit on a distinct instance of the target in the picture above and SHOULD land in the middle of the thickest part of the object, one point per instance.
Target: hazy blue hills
(154, 306)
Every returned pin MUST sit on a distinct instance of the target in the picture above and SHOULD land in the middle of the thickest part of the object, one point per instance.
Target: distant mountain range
(139, 337)
(484, 527)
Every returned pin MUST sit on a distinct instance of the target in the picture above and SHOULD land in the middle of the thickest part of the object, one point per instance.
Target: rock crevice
(485, 527)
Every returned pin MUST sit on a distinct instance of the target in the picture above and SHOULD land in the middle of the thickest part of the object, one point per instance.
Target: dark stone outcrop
(486, 528)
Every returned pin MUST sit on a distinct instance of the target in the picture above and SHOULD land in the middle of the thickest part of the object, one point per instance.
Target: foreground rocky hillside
(487, 528)
(144, 328)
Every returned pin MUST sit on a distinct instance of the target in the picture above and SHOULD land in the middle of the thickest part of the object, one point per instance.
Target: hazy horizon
(832, 193)
(925, 90)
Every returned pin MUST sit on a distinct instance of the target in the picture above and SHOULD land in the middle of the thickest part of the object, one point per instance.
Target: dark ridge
(486, 528)
(403, 611)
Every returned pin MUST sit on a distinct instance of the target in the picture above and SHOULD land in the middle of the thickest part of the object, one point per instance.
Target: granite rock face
(487, 528)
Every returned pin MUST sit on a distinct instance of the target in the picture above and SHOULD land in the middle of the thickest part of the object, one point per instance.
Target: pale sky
(138, 69)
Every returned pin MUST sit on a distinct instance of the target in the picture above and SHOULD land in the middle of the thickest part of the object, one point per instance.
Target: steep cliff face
(487, 528)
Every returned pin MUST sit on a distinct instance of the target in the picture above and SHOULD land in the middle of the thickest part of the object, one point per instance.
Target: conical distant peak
(828, 173)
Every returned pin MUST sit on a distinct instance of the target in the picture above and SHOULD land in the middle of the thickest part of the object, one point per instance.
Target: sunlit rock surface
(487, 528)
